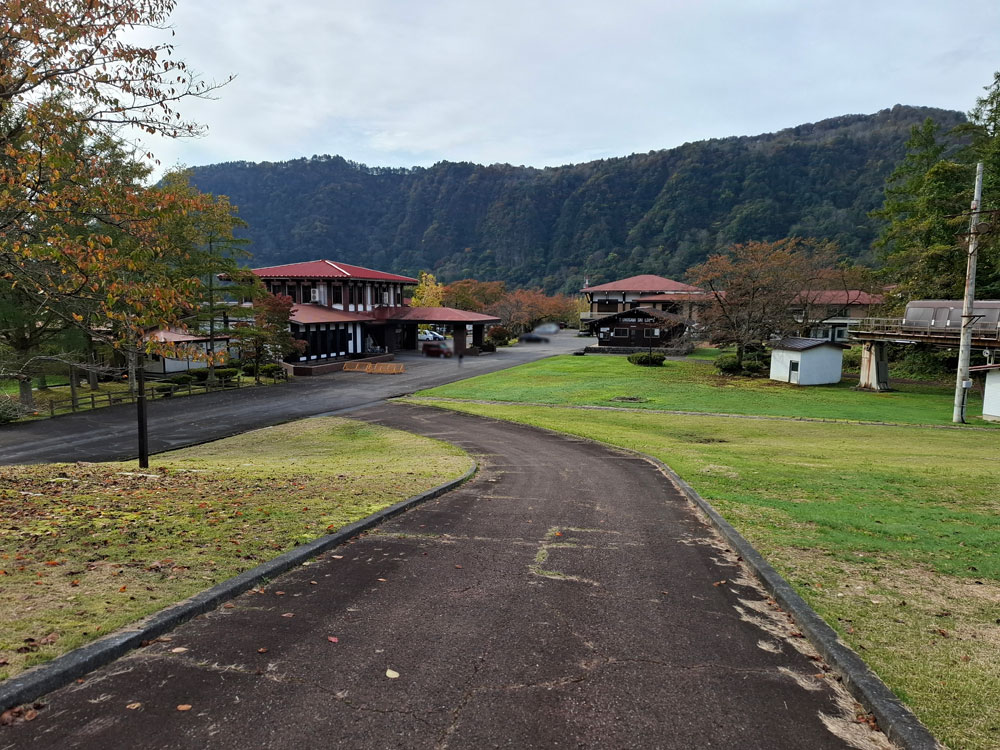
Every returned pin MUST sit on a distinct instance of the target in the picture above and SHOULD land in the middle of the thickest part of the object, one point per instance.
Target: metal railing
(900, 326)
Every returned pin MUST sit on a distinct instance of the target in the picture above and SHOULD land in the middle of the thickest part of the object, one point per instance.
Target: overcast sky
(549, 82)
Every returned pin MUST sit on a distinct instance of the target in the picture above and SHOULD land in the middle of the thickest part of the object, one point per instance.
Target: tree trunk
(92, 372)
(131, 372)
(43, 384)
(73, 395)
(739, 355)
(25, 395)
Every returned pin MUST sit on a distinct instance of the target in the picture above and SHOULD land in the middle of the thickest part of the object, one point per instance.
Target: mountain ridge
(655, 212)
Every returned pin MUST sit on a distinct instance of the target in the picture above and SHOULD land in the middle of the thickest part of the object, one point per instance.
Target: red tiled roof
(675, 296)
(796, 344)
(180, 337)
(327, 269)
(839, 297)
(644, 283)
(310, 313)
(431, 315)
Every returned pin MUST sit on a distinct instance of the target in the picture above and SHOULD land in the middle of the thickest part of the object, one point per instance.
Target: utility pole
(962, 381)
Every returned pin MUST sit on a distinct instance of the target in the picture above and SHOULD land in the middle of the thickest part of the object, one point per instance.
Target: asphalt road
(567, 597)
(110, 434)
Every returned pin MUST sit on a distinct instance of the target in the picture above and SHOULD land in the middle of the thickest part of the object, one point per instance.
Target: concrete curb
(62, 670)
(894, 718)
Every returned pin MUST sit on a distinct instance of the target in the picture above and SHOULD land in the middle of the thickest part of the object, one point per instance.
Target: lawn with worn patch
(890, 533)
(87, 548)
(690, 385)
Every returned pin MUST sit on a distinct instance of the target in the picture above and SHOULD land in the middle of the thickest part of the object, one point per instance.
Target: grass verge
(694, 386)
(890, 533)
(88, 548)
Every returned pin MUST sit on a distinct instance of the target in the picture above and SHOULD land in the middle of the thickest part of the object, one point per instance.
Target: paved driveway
(110, 434)
(567, 597)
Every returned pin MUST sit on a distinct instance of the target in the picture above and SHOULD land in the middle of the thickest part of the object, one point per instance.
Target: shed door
(793, 371)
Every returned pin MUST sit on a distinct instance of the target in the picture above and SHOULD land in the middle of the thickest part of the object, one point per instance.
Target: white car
(429, 335)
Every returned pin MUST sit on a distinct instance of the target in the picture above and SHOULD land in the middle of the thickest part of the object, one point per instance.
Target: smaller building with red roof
(646, 290)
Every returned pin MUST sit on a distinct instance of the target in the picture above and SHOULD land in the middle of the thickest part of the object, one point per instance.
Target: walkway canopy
(400, 325)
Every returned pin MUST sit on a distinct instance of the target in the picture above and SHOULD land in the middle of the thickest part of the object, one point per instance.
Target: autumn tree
(755, 286)
(470, 294)
(429, 292)
(78, 226)
(268, 338)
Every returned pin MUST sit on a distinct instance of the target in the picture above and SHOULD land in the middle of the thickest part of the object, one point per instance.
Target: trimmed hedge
(647, 359)
(182, 379)
(226, 373)
(271, 370)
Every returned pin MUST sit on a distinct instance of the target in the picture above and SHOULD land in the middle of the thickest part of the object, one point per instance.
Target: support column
(458, 334)
(477, 334)
(874, 366)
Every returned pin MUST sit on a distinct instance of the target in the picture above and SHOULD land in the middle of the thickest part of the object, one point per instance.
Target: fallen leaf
(49, 639)
(289, 614)
(228, 605)
(337, 557)
(184, 707)
(178, 650)
(122, 589)
(333, 639)
(30, 715)
(392, 674)
(133, 706)
(719, 583)
(314, 583)
(383, 580)
(459, 567)
(6, 718)
(262, 651)
(279, 593)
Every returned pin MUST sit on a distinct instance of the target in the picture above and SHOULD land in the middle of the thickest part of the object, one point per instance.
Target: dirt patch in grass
(87, 548)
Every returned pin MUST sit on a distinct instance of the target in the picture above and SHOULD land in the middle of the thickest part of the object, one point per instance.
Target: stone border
(45, 678)
(898, 723)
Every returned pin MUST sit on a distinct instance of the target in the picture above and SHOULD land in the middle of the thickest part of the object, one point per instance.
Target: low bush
(755, 364)
(182, 379)
(488, 347)
(852, 359)
(727, 364)
(247, 368)
(271, 370)
(499, 335)
(647, 359)
(226, 373)
(164, 389)
(201, 375)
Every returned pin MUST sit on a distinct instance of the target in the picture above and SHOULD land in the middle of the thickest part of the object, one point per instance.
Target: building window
(607, 306)
(337, 295)
(620, 333)
(651, 333)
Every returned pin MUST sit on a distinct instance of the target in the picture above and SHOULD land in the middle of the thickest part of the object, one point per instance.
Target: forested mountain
(658, 213)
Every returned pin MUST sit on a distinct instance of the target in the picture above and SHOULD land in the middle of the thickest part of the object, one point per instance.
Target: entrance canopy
(435, 315)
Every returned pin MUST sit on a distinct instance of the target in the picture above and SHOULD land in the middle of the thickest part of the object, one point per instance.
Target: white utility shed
(991, 394)
(807, 361)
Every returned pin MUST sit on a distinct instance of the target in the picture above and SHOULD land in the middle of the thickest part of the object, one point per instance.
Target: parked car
(436, 349)
(532, 338)
(429, 335)
(547, 328)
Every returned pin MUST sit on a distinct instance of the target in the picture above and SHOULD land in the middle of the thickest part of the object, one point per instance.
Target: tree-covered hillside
(660, 212)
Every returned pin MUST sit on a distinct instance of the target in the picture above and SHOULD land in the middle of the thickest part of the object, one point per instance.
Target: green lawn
(87, 548)
(890, 532)
(691, 385)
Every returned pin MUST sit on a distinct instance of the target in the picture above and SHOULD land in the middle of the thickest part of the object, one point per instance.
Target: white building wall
(821, 365)
(991, 397)
(818, 366)
(779, 363)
